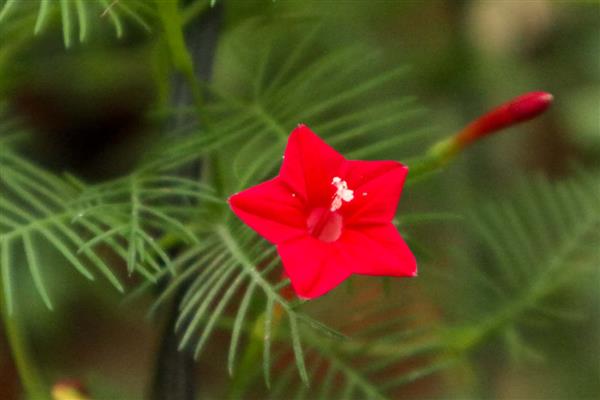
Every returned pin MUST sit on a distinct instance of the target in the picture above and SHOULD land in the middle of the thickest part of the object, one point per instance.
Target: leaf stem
(434, 160)
(29, 374)
(172, 23)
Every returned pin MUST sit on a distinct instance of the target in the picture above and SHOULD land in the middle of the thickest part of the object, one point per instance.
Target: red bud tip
(517, 110)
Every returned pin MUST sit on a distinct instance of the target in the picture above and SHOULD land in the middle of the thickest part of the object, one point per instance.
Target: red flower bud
(517, 110)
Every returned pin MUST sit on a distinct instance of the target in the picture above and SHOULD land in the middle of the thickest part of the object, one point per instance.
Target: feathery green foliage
(259, 114)
(366, 365)
(353, 110)
(35, 207)
(502, 301)
(161, 225)
(77, 17)
(539, 242)
(83, 222)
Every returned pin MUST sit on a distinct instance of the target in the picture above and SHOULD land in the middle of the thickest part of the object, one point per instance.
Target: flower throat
(326, 224)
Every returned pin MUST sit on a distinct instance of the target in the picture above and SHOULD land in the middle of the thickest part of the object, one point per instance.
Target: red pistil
(324, 224)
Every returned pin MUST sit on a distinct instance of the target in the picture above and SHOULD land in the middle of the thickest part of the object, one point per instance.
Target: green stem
(248, 366)
(434, 160)
(172, 23)
(29, 374)
(194, 10)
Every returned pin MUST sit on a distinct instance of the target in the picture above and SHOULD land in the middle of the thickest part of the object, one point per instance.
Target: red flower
(329, 217)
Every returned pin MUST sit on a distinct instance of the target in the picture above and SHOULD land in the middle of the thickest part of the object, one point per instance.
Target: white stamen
(342, 193)
(364, 193)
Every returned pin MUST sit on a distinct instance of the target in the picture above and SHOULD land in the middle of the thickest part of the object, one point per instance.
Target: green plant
(175, 232)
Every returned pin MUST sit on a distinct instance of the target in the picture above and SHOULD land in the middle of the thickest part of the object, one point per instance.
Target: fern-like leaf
(254, 116)
(34, 207)
(127, 216)
(554, 226)
(542, 241)
(334, 91)
(365, 365)
(232, 261)
(78, 17)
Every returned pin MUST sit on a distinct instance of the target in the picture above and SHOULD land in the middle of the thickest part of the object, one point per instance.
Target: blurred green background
(465, 57)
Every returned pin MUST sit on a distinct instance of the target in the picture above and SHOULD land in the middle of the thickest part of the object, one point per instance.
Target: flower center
(324, 224)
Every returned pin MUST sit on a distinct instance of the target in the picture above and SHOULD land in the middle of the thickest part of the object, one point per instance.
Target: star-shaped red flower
(329, 217)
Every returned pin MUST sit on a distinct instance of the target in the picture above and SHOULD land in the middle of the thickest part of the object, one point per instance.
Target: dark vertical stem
(175, 375)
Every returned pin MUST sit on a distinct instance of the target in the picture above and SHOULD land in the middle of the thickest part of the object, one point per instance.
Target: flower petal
(271, 210)
(309, 165)
(377, 250)
(314, 267)
(377, 187)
